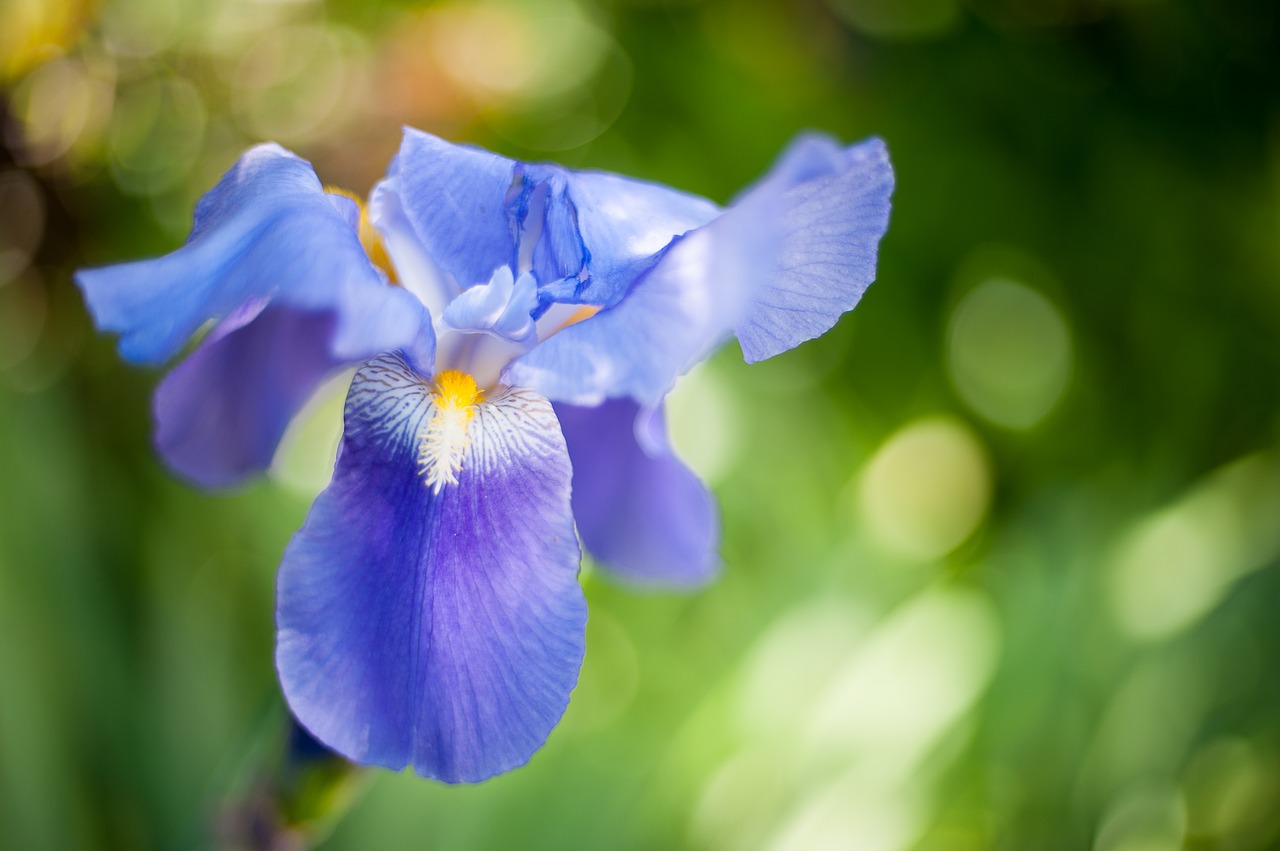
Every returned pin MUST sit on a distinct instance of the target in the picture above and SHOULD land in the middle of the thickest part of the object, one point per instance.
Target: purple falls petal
(441, 630)
(266, 231)
(832, 208)
(641, 513)
(220, 413)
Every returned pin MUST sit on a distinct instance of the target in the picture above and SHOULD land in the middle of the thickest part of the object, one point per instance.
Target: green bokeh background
(1002, 550)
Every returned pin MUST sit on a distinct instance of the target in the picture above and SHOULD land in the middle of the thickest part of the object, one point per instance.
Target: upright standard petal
(642, 514)
(831, 208)
(626, 225)
(585, 235)
(439, 626)
(778, 267)
(598, 232)
(266, 231)
(674, 315)
(459, 202)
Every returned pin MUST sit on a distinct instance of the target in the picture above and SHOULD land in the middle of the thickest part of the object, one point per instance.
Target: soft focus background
(1002, 550)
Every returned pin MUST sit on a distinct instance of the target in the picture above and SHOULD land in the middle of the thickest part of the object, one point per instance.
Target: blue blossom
(516, 328)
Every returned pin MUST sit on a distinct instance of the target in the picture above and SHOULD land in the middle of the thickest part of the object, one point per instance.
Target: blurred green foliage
(1001, 550)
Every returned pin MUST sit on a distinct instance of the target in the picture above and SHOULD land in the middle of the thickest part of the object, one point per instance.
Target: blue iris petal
(626, 224)
(418, 273)
(460, 202)
(279, 262)
(587, 234)
(833, 208)
(679, 311)
(267, 230)
(221, 412)
(446, 629)
(641, 513)
(501, 306)
(778, 267)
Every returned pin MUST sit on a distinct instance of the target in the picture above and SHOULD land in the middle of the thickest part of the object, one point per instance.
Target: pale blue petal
(461, 203)
(443, 630)
(778, 267)
(832, 208)
(640, 512)
(586, 236)
(503, 307)
(416, 270)
(625, 225)
(266, 231)
(673, 316)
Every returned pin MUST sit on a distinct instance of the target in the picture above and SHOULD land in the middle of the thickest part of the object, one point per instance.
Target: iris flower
(516, 327)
